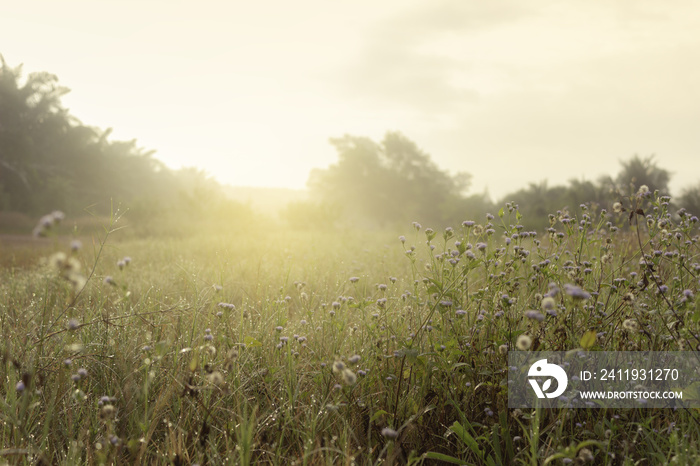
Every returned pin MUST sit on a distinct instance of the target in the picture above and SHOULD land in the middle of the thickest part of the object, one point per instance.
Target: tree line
(395, 182)
(49, 160)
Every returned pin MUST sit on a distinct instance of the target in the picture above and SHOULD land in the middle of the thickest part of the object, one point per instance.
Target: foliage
(49, 160)
(387, 183)
(241, 345)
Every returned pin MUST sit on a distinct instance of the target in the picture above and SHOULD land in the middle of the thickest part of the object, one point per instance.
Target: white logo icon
(542, 369)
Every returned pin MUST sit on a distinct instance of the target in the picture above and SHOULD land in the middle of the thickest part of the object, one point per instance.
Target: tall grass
(240, 345)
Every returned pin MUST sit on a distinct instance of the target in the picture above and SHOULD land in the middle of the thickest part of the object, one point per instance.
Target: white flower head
(524, 342)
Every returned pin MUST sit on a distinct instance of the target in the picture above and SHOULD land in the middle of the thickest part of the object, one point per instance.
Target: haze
(511, 92)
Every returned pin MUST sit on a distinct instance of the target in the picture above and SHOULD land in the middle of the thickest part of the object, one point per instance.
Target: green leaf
(588, 339)
(501, 212)
(378, 414)
(466, 438)
(440, 457)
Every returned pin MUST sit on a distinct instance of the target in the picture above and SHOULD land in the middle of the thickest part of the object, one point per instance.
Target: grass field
(248, 344)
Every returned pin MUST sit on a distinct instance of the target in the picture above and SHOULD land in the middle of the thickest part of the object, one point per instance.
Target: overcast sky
(510, 91)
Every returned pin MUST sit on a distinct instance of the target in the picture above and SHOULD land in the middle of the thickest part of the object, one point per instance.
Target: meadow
(256, 344)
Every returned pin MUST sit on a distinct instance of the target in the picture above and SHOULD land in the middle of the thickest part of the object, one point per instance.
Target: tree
(49, 160)
(690, 199)
(643, 171)
(388, 182)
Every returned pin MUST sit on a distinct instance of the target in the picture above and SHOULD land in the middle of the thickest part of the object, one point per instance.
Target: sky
(512, 92)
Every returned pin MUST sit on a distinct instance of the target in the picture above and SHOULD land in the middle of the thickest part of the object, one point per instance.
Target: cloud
(519, 95)
(398, 64)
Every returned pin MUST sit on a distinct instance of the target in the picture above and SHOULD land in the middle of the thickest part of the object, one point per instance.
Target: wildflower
(503, 349)
(402, 239)
(82, 372)
(460, 313)
(75, 245)
(389, 433)
(354, 359)
(57, 216)
(349, 377)
(338, 366)
(127, 261)
(548, 303)
(381, 302)
(481, 246)
(121, 264)
(215, 378)
(630, 324)
(354, 279)
(107, 412)
(227, 306)
(20, 386)
(576, 292)
(108, 280)
(77, 281)
(585, 454)
(643, 189)
(524, 342)
(534, 315)
(73, 324)
(617, 207)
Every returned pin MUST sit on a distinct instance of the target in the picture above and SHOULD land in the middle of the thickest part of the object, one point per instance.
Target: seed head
(349, 377)
(524, 342)
(548, 303)
(631, 325)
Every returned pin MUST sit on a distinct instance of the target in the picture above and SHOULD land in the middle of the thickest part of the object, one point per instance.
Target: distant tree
(537, 201)
(49, 160)
(31, 118)
(639, 171)
(690, 199)
(388, 182)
